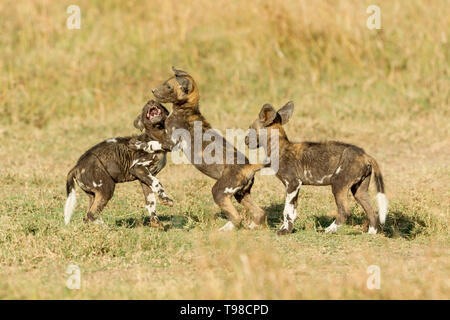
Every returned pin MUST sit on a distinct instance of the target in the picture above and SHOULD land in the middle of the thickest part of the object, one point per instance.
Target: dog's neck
(191, 114)
(186, 107)
(283, 141)
(148, 135)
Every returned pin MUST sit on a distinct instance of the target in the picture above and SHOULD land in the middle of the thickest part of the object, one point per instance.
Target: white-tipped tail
(382, 207)
(70, 205)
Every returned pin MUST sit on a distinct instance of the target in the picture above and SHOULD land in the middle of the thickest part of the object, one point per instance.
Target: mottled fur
(120, 160)
(342, 166)
(232, 179)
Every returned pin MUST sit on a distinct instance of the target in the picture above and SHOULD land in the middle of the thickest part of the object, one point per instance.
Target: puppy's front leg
(145, 176)
(290, 211)
(166, 144)
(149, 147)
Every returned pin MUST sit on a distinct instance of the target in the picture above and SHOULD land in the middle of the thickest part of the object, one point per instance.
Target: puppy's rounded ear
(185, 84)
(286, 112)
(267, 114)
(138, 123)
(179, 73)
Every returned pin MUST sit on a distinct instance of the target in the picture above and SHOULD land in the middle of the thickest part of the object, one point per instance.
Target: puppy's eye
(169, 86)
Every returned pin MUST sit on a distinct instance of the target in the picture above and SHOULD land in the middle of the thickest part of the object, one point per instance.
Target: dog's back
(116, 157)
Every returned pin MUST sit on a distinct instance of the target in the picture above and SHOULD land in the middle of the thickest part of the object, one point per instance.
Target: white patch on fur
(382, 207)
(157, 187)
(112, 140)
(150, 210)
(99, 221)
(155, 183)
(97, 185)
(332, 228)
(289, 208)
(153, 146)
(372, 230)
(70, 206)
(134, 162)
(308, 175)
(252, 225)
(151, 207)
(149, 147)
(338, 170)
(323, 178)
(139, 163)
(151, 197)
(305, 173)
(232, 190)
(227, 227)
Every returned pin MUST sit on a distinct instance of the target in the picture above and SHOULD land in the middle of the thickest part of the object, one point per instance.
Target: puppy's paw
(332, 228)
(155, 223)
(283, 232)
(254, 226)
(166, 201)
(227, 227)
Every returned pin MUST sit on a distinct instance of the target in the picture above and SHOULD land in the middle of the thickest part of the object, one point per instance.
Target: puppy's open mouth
(153, 112)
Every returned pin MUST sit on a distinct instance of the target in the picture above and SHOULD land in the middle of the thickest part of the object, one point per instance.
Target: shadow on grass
(398, 224)
(274, 214)
(275, 217)
(169, 222)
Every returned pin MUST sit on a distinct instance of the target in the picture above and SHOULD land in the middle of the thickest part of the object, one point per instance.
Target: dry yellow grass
(62, 91)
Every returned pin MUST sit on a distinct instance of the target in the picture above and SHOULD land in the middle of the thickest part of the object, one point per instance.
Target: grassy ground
(62, 91)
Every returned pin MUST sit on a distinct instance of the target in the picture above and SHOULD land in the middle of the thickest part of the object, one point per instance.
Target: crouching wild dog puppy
(343, 166)
(233, 179)
(123, 159)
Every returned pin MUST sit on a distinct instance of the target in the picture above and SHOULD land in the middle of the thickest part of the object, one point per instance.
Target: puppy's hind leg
(259, 216)
(103, 192)
(150, 205)
(340, 196)
(360, 192)
(222, 197)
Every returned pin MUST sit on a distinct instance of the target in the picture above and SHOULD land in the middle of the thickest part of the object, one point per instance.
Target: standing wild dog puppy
(343, 166)
(123, 159)
(232, 179)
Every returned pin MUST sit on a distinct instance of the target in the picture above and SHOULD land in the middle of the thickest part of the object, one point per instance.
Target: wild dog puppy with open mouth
(341, 165)
(123, 159)
(233, 179)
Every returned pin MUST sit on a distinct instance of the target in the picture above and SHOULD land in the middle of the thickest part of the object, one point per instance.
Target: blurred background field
(61, 91)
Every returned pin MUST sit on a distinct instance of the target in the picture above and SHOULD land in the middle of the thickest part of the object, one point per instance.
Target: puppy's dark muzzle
(157, 94)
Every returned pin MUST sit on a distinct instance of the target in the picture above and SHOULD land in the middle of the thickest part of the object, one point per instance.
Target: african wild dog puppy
(232, 179)
(123, 159)
(343, 166)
